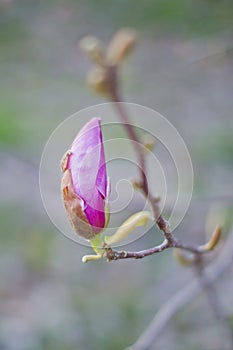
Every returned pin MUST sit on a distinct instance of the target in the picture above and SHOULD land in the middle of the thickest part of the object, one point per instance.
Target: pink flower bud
(85, 185)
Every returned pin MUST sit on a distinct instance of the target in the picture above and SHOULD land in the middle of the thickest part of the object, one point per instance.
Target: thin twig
(115, 97)
(112, 73)
(112, 254)
(185, 295)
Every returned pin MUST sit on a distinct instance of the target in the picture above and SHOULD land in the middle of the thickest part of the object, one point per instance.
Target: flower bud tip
(214, 239)
(92, 47)
(87, 258)
(121, 45)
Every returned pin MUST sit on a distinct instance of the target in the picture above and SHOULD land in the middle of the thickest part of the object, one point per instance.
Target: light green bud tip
(139, 219)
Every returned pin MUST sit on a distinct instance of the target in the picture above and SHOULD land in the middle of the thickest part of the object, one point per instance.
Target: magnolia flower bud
(84, 185)
(121, 45)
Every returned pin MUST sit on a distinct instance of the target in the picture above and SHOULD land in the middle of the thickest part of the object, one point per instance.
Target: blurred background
(182, 68)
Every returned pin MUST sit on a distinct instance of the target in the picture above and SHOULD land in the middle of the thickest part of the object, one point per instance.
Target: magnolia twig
(185, 295)
(112, 74)
(112, 254)
(107, 83)
(169, 240)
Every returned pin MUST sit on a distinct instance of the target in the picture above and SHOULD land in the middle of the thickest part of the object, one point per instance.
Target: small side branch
(112, 254)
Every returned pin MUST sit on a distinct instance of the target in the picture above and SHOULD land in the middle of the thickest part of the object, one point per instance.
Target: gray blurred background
(182, 68)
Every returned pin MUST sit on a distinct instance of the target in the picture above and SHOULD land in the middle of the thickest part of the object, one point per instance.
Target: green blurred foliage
(11, 132)
(183, 17)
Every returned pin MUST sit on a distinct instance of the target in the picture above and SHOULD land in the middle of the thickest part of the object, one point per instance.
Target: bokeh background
(182, 67)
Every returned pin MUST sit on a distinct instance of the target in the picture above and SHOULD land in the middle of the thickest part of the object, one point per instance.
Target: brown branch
(112, 254)
(112, 73)
(215, 270)
(169, 240)
(110, 87)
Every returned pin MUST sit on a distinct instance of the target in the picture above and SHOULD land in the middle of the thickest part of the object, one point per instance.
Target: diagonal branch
(112, 73)
(184, 296)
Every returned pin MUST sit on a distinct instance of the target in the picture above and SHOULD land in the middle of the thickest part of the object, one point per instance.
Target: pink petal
(88, 170)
